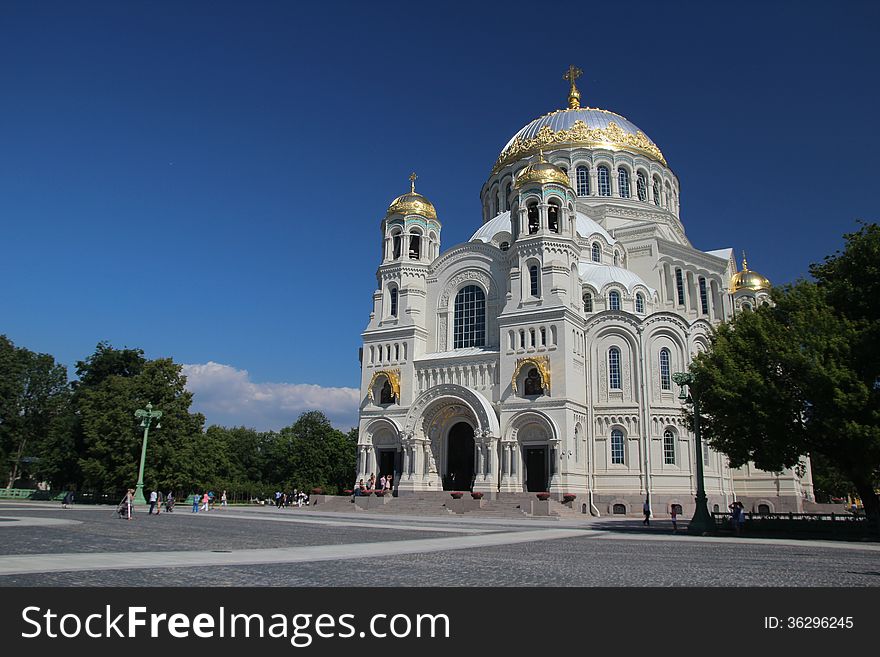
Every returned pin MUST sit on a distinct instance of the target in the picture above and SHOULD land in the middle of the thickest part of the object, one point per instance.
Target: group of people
(207, 500)
(156, 502)
(297, 498)
(361, 487)
(737, 516)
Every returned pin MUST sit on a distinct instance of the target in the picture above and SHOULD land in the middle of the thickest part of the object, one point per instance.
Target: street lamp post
(147, 416)
(702, 521)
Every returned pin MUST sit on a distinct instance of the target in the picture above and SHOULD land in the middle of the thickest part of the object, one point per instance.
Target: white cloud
(227, 396)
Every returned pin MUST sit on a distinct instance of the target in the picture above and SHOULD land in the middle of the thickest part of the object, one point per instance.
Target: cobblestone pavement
(588, 558)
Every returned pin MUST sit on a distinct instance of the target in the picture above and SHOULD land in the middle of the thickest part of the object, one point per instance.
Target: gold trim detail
(574, 96)
(393, 377)
(580, 134)
(542, 363)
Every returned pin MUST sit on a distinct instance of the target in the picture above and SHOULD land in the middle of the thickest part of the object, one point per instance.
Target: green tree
(797, 377)
(311, 453)
(34, 396)
(112, 385)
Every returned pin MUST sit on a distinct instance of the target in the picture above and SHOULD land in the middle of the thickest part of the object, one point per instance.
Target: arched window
(618, 510)
(617, 446)
(532, 342)
(393, 304)
(641, 186)
(415, 246)
(522, 339)
(604, 180)
(623, 182)
(617, 259)
(704, 296)
(583, 181)
(763, 509)
(614, 300)
(669, 447)
(469, 327)
(656, 191)
(543, 337)
(588, 302)
(705, 452)
(679, 286)
(507, 196)
(597, 252)
(533, 218)
(533, 280)
(395, 240)
(553, 218)
(614, 369)
(504, 246)
(665, 379)
(747, 306)
(640, 303)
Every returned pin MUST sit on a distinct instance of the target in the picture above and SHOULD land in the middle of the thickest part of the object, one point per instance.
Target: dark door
(460, 458)
(386, 463)
(536, 469)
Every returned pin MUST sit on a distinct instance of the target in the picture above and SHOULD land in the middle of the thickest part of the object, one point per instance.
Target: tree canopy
(800, 377)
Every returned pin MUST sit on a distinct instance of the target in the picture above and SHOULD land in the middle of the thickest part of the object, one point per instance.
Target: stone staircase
(506, 505)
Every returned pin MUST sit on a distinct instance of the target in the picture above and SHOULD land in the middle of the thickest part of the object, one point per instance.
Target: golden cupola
(541, 172)
(748, 280)
(412, 203)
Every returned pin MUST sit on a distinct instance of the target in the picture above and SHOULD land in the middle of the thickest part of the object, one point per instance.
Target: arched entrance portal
(460, 458)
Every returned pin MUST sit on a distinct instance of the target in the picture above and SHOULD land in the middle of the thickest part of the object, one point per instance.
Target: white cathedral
(538, 355)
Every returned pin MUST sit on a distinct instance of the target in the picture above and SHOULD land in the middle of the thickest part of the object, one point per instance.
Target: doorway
(460, 458)
(386, 463)
(536, 469)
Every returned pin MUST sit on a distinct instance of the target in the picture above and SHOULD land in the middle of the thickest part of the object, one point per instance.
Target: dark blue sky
(205, 180)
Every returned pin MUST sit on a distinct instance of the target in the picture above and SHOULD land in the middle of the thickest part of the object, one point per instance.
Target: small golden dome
(412, 203)
(542, 172)
(748, 280)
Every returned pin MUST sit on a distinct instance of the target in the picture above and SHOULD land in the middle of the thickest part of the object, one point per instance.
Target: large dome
(571, 127)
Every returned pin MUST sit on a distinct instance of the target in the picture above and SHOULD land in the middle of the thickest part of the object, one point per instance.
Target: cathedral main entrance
(460, 469)
(536, 469)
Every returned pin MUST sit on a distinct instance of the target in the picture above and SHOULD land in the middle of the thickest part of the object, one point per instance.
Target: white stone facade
(537, 355)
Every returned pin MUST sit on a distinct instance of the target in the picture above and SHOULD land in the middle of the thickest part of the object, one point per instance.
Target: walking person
(735, 513)
(674, 514)
(205, 501)
(169, 502)
(129, 502)
(158, 501)
(196, 498)
(646, 509)
(153, 498)
(223, 499)
(68, 499)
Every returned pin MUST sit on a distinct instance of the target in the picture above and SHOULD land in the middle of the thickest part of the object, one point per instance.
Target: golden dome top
(541, 172)
(412, 203)
(748, 280)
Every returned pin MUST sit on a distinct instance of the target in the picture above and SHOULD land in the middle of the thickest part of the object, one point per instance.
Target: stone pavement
(43, 545)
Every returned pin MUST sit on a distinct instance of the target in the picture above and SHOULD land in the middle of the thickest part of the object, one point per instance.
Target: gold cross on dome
(412, 181)
(574, 96)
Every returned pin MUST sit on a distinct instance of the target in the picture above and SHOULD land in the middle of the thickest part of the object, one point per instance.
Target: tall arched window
(617, 446)
(393, 295)
(641, 186)
(507, 196)
(588, 302)
(415, 246)
(669, 447)
(583, 181)
(679, 286)
(604, 180)
(665, 379)
(469, 326)
(614, 369)
(704, 296)
(395, 241)
(656, 190)
(533, 281)
(533, 218)
(640, 303)
(553, 218)
(614, 300)
(596, 252)
(623, 182)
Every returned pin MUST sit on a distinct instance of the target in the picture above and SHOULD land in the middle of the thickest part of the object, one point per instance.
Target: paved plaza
(44, 545)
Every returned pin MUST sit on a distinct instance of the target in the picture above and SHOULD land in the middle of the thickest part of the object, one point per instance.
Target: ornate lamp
(702, 521)
(147, 416)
